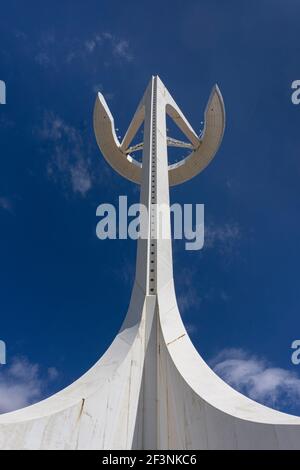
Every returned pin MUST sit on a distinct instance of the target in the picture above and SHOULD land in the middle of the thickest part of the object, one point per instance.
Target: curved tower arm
(109, 144)
(208, 145)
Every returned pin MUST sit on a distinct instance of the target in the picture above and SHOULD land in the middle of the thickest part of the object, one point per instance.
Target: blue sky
(63, 292)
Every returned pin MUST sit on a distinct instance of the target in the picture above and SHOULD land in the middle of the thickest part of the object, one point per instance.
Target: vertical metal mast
(152, 271)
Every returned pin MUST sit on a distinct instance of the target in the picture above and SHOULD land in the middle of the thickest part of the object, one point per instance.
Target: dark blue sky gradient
(63, 292)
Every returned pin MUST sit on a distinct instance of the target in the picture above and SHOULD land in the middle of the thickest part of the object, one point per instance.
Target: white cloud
(90, 45)
(191, 328)
(224, 239)
(117, 47)
(121, 49)
(188, 299)
(53, 373)
(20, 35)
(80, 178)
(52, 51)
(22, 383)
(107, 35)
(45, 46)
(187, 296)
(222, 235)
(43, 59)
(69, 164)
(256, 378)
(6, 204)
(99, 87)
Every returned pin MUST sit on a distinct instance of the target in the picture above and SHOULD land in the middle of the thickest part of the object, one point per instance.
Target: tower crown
(203, 148)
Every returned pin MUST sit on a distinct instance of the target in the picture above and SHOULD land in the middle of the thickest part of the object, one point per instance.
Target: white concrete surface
(151, 389)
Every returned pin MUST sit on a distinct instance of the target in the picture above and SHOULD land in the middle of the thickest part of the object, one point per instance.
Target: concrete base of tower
(150, 390)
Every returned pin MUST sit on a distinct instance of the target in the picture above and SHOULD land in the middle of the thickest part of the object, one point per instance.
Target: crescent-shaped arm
(109, 144)
(209, 143)
(204, 149)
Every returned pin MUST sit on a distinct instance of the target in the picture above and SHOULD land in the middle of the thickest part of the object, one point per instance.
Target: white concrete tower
(151, 389)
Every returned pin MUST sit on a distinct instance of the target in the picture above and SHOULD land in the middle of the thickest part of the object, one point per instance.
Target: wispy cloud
(191, 328)
(256, 378)
(90, 45)
(53, 51)
(6, 204)
(99, 87)
(121, 50)
(221, 234)
(46, 47)
(23, 383)
(188, 299)
(118, 46)
(223, 238)
(187, 296)
(69, 163)
(43, 59)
